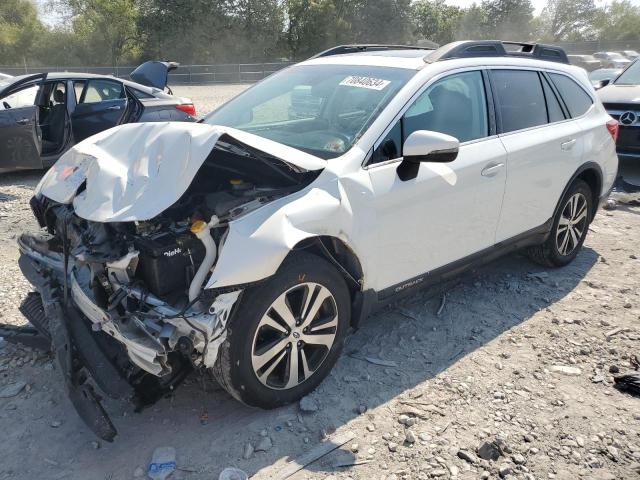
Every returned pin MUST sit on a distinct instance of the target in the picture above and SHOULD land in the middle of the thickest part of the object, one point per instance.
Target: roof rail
(357, 48)
(497, 48)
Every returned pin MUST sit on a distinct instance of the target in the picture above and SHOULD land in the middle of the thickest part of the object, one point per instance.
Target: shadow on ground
(209, 429)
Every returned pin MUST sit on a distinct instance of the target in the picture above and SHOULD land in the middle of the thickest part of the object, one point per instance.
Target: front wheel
(569, 229)
(286, 334)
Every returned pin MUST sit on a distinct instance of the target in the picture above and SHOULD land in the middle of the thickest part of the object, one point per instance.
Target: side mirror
(426, 146)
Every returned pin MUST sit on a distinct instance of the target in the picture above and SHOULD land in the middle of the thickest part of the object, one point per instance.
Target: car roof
(82, 76)
(414, 60)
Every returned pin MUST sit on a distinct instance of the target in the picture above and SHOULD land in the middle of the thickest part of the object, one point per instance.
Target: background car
(621, 99)
(43, 115)
(4, 77)
(602, 76)
(588, 62)
(612, 59)
(630, 54)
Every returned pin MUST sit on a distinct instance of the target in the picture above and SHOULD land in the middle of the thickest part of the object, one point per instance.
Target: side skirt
(435, 278)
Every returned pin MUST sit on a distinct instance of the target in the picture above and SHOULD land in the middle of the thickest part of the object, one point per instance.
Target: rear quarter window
(574, 96)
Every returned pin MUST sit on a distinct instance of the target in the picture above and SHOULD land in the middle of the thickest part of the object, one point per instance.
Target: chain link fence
(184, 75)
(252, 72)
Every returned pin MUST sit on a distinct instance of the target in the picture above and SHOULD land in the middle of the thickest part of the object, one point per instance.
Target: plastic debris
(231, 473)
(163, 463)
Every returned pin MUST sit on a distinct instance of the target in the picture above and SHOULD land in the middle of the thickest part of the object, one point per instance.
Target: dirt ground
(518, 357)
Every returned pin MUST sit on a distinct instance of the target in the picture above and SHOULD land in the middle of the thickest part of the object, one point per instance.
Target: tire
(567, 231)
(261, 329)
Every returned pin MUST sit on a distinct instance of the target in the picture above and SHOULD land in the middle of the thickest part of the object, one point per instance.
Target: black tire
(549, 253)
(234, 370)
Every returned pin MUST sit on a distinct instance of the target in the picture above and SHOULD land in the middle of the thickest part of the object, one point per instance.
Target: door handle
(568, 145)
(114, 107)
(491, 170)
(22, 121)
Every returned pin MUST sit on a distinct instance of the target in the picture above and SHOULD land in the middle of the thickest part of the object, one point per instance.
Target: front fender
(257, 243)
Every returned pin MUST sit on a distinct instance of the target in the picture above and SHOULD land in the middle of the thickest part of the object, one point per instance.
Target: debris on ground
(163, 463)
(231, 473)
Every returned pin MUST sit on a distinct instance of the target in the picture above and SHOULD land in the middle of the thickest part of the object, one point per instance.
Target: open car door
(20, 136)
(101, 105)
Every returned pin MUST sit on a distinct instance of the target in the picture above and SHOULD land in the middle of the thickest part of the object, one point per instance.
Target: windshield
(631, 76)
(616, 56)
(321, 109)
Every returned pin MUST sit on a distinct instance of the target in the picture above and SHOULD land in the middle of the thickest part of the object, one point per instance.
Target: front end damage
(122, 269)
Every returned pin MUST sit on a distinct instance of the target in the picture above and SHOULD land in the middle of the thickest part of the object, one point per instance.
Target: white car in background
(249, 244)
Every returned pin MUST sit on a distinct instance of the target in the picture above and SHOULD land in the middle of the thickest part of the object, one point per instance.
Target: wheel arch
(337, 252)
(591, 174)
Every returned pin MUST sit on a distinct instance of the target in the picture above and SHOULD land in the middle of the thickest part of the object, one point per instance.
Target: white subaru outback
(248, 244)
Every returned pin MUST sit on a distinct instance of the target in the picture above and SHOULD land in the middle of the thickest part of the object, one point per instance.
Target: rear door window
(521, 101)
(102, 91)
(574, 96)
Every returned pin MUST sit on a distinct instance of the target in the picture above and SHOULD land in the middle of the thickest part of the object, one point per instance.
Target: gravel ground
(209, 97)
(517, 366)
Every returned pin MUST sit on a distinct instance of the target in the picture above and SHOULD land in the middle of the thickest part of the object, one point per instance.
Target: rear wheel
(286, 334)
(569, 228)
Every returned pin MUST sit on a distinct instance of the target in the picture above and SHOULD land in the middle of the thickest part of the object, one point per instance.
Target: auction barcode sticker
(365, 82)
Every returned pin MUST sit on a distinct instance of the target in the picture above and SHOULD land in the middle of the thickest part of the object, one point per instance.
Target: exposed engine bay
(142, 282)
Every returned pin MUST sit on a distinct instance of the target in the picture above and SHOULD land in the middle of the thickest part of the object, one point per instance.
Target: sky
(537, 4)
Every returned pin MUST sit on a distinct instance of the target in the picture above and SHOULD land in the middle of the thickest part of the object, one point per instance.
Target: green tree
(109, 28)
(19, 27)
(435, 20)
(473, 24)
(508, 19)
(567, 20)
(619, 21)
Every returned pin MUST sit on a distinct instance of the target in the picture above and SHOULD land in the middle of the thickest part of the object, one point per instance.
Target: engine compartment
(141, 282)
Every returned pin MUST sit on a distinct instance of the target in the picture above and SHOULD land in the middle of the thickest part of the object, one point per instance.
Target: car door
(449, 211)
(543, 146)
(101, 105)
(20, 140)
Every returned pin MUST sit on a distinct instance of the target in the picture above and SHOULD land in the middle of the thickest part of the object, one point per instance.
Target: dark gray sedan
(43, 115)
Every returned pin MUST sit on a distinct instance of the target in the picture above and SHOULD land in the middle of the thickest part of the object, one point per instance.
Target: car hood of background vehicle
(136, 171)
(620, 94)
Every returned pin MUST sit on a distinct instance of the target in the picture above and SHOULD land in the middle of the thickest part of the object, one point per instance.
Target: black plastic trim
(496, 48)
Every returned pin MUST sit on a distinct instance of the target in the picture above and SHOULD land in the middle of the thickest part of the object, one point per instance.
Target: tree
(435, 20)
(108, 27)
(387, 22)
(567, 20)
(618, 21)
(508, 19)
(472, 24)
(19, 28)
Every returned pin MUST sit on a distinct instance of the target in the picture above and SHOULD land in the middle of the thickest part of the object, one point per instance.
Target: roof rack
(358, 48)
(497, 48)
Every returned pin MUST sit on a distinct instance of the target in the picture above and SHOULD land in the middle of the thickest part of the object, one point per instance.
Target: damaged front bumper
(100, 355)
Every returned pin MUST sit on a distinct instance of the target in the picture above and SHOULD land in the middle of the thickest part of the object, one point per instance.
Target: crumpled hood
(136, 171)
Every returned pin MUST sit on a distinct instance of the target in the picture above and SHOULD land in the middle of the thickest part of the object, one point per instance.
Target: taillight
(187, 108)
(613, 127)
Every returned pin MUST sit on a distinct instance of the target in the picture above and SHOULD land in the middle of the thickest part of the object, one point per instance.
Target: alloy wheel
(294, 336)
(572, 224)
